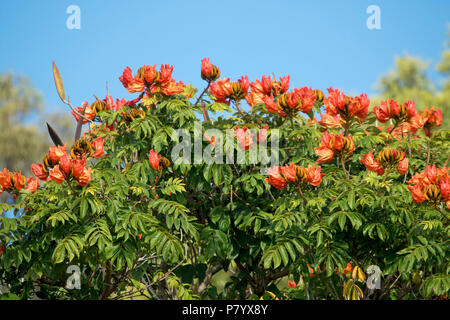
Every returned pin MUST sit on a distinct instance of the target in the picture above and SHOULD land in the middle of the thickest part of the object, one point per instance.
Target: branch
(209, 274)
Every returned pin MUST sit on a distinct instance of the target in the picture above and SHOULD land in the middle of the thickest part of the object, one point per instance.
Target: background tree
(409, 80)
(24, 135)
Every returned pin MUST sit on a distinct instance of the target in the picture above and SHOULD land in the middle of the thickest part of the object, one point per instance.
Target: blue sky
(318, 43)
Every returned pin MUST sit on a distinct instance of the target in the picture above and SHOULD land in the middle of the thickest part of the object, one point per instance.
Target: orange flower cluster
(406, 118)
(225, 91)
(387, 158)
(265, 88)
(288, 104)
(13, 182)
(280, 177)
(431, 185)
(154, 81)
(334, 144)
(346, 107)
(58, 165)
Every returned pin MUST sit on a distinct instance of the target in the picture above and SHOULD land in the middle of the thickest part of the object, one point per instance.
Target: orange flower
(131, 84)
(56, 175)
(39, 172)
(78, 167)
(382, 112)
(271, 106)
(403, 166)
(347, 107)
(153, 158)
(371, 164)
(431, 185)
(85, 177)
(289, 172)
(325, 154)
(33, 184)
(334, 143)
(416, 192)
(56, 152)
(313, 175)
(330, 121)
(431, 118)
(348, 268)
(5, 179)
(89, 112)
(65, 163)
(98, 145)
(292, 284)
(275, 179)
(209, 71)
(19, 180)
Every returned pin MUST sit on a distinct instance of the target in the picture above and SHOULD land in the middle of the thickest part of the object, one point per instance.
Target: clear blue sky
(318, 43)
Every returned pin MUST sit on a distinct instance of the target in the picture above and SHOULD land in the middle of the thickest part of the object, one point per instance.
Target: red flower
(153, 158)
(263, 87)
(85, 177)
(275, 179)
(2, 247)
(98, 145)
(38, 171)
(56, 175)
(33, 184)
(292, 284)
